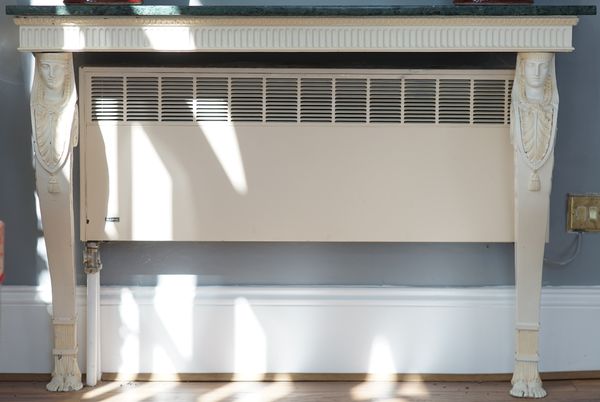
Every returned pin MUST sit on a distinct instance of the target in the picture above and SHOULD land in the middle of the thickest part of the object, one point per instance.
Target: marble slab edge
(299, 11)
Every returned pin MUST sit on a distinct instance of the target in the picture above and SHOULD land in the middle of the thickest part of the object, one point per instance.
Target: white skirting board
(177, 327)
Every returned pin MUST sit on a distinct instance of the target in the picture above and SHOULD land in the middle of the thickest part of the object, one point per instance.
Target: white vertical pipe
(98, 333)
(93, 293)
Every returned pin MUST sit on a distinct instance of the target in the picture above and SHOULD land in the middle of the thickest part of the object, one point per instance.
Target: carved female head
(54, 83)
(535, 77)
(52, 72)
(536, 69)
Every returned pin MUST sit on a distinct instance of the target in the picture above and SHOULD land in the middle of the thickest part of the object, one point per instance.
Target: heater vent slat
(247, 99)
(385, 101)
(142, 99)
(212, 99)
(489, 101)
(107, 98)
(351, 100)
(282, 100)
(179, 95)
(316, 100)
(419, 101)
(177, 98)
(454, 101)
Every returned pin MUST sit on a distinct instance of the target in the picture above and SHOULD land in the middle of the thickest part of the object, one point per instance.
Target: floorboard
(559, 391)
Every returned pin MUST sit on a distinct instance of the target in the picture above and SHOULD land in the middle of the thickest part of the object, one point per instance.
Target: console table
(54, 33)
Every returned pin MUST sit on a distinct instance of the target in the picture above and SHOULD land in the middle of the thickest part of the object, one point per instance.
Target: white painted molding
(332, 296)
(494, 34)
(448, 330)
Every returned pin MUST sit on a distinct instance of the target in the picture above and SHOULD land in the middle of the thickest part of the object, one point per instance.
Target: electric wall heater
(191, 154)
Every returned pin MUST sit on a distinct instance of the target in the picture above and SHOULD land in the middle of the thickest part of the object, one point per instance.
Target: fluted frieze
(288, 34)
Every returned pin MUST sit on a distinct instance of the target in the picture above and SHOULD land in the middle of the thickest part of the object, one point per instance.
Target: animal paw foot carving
(64, 383)
(532, 389)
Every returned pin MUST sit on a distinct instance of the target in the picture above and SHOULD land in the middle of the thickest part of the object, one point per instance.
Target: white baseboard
(178, 327)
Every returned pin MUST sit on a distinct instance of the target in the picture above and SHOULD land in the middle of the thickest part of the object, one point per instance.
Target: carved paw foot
(66, 375)
(64, 383)
(524, 389)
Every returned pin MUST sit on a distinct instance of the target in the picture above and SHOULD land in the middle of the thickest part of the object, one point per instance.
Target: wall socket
(583, 213)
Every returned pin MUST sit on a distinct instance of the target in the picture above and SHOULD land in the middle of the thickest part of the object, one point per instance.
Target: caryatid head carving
(52, 72)
(537, 68)
(54, 83)
(535, 73)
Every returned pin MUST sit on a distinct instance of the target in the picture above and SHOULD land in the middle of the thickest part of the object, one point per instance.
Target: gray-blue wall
(577, 170)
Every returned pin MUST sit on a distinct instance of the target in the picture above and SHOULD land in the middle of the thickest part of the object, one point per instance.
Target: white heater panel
(361, 157)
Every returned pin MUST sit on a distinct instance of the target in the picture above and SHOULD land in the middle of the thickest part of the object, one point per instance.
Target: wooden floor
(563, 391)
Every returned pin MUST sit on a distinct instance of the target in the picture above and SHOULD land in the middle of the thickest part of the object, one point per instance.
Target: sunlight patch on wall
(162, 362)
(250, 343)
(224, 143)
(381, 382)
(111, 142)
(151, 191)
(381, 361)
(129, 332)
(381, 379)
(174, 305)
(44, 287)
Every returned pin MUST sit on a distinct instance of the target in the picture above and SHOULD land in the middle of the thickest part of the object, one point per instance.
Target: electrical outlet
(583, 213)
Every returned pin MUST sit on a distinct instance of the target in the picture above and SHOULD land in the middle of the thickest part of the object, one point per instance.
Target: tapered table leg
(533, 126)
(54, 121)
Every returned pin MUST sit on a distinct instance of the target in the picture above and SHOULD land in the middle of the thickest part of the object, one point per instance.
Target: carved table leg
(532, 217)
(534, 111)
(54, 123)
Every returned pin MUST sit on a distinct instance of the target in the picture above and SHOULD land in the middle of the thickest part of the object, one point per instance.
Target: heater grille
(300, 98)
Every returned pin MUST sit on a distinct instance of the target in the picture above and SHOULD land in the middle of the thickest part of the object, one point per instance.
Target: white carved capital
(534, 111)
(53, 113)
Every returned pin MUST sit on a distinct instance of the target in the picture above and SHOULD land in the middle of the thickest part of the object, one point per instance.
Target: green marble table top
(300, 11)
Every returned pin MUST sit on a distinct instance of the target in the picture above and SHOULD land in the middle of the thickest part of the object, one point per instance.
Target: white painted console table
(53, 33)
